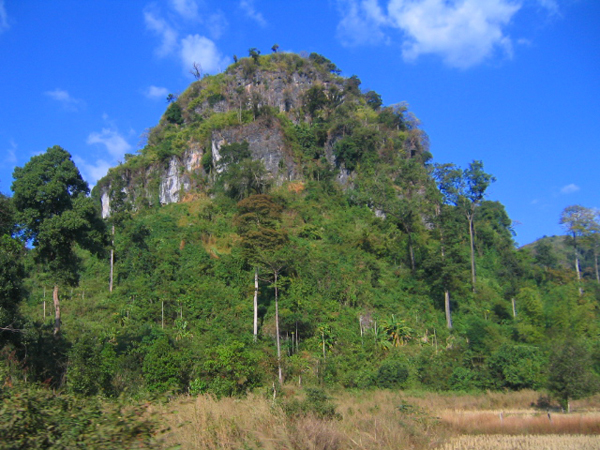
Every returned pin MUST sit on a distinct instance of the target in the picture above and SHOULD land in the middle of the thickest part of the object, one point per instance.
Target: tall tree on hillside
(11, 269)
(118, 213)
(54, 211)
(592, 238)
(258, 216)
(578, 222)
(465, 189)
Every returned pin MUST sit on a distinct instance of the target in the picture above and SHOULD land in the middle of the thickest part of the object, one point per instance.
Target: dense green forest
(355, 262)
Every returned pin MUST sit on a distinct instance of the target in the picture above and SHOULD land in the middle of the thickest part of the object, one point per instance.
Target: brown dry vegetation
(383, 420)
(368, 422)
(504, 442)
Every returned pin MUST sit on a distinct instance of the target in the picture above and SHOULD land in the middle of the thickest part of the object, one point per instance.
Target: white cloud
(248, 8)
(361, 22)
(114, 142)
(188, 9)
(201, 50)
(3, 18)
(65, 99)
(92, 172)
(462, 32)
(155, 92)
(167, 33)
(569, 189)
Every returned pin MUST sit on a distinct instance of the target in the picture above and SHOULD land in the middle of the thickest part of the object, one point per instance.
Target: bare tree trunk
(447, 309)
(473, 278)
(56, 310)
(411, 252)
(514, 307)
(596, 265)
(112, 260)
(577, 270)
(446, 293)
(277, 331)
(255, 303)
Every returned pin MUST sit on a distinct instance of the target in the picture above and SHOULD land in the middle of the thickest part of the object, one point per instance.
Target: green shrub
(316, 403)
(173, 114)
(33, 418)
(392, 374)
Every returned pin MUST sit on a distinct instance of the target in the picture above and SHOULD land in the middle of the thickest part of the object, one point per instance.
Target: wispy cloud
(463, 33)
(3, 18)
(188, 9)
(166, 32)
(216, 24)
(10, 154)
(248, 8)
(92, 172)
(65, 99)
(361, 22)
(569, 189)
(156, 93)
(550, 5)
(112, 140)
(201, 50)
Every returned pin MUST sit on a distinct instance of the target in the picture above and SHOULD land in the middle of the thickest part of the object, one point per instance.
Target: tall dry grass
(368, 422)
(377, 420)
(465, 422)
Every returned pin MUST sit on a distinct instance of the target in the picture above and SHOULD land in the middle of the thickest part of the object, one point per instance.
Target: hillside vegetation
(281, 226)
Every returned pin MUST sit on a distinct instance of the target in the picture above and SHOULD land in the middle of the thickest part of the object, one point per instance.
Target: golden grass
(504, 442)
(521, 422)
(254, 422)
(381, 420)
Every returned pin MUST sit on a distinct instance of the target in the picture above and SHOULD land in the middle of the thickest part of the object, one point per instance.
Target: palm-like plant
(398, 333)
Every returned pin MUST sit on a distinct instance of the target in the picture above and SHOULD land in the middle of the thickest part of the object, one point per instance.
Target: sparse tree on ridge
(196, 70)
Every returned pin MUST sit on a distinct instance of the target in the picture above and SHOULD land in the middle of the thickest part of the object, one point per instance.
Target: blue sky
(515, 83)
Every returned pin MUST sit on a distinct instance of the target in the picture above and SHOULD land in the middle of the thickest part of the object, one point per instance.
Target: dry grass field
(528, 442)
(382, 420)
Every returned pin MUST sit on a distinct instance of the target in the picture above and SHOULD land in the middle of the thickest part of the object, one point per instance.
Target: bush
(173, 114)
(316, 403)
(33, 418)
(392, 374)
(517, 367)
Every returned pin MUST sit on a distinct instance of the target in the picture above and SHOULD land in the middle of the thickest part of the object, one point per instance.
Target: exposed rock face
(266, 143)
(175, 178)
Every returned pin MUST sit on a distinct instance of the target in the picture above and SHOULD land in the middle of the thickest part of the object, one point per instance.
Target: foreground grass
(375, 421)
(381, 420)
(504, 442)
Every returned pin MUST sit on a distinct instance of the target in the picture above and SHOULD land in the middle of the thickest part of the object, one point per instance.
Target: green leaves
(45, 187)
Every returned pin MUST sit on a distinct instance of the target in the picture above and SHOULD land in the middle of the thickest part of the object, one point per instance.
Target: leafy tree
(11, 266)
(577, 221)
(373, 100)
(258, 216)
(465, 189)
(55, 213)
(570, 372)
